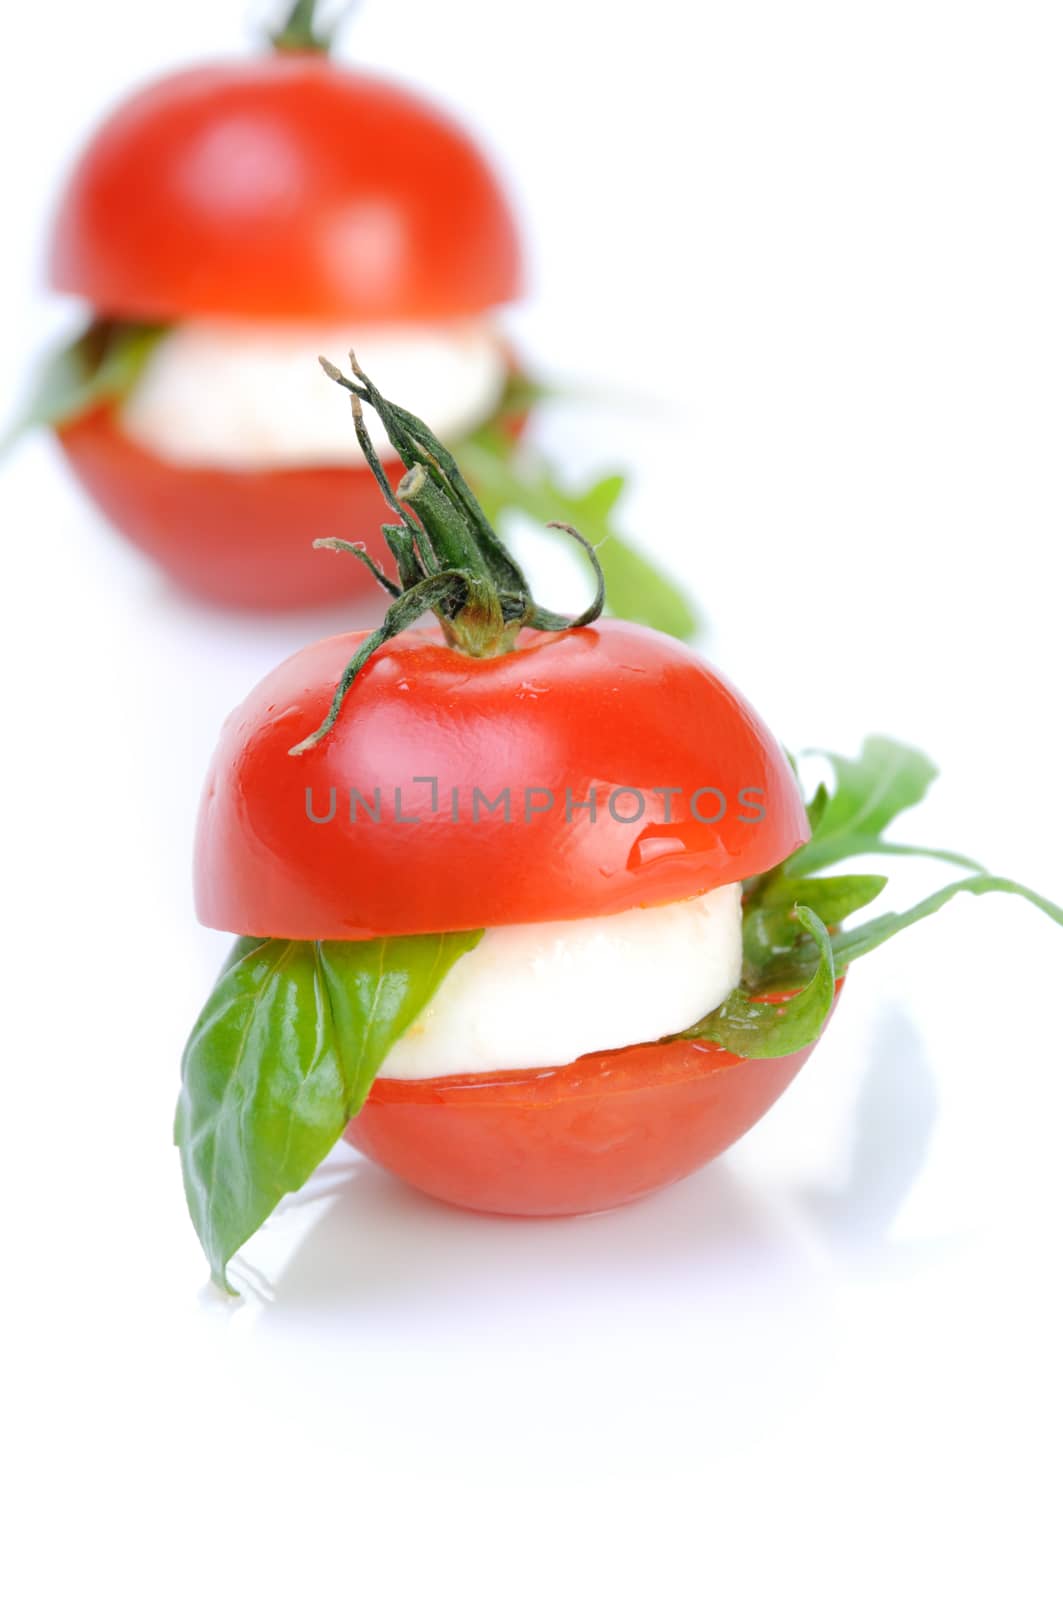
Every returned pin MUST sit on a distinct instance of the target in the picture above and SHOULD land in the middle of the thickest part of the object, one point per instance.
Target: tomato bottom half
(234, 538)
(595, 1134)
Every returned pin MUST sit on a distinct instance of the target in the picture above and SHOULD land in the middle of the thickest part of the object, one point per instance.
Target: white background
(815, 251)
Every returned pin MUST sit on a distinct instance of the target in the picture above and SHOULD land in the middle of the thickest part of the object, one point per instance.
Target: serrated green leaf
(779, 953)
(817, 805)
(886, 778)
(770, 925)
(855, 845)
(869, 793)
(849, 944)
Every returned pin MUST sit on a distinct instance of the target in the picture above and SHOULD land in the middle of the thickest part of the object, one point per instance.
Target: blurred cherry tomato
(284, 188)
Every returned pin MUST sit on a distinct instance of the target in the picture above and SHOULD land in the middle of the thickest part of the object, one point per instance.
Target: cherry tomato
(635, 775)
(284, 187)
(595, 1134)
(235, 538)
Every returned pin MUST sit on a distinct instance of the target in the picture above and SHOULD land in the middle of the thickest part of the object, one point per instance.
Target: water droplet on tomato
(654, 845)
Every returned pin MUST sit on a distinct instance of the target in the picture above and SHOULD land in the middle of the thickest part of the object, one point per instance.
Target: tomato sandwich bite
(223, 225)
(528, 908)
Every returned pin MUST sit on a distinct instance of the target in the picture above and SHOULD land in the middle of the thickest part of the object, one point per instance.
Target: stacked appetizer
(529, 908)
(225, 224)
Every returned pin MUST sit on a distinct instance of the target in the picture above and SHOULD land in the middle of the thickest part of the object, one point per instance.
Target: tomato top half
(286, 188)
(582, 773)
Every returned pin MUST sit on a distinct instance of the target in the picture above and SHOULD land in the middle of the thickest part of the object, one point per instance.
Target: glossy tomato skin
(283, 187)
(605, 1130)
(562, 721)
(240, 539)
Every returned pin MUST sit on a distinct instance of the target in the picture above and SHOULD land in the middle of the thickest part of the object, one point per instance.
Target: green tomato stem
(302, 31)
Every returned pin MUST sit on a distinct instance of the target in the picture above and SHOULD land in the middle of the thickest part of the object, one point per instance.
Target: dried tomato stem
(449, 558)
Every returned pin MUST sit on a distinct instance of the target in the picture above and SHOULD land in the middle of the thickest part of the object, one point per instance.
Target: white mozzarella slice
(541, 994)
(252, 395)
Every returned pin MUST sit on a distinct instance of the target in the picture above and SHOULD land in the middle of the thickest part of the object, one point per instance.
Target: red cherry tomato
(615, 713)
(602, 1131)
(285, 187)
(235, 538)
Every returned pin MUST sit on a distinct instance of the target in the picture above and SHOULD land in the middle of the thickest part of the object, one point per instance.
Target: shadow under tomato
(703, 1310)
(713, 1307)
(893, 1125)
(380, 1240)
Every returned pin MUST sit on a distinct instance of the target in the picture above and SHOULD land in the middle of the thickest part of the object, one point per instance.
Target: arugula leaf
(833, 899)
(769, 924)
(885, 779)
(859, 941)
(102, 364)
(522, 391)
(760, 1029)
(507, 477)
(849, 943)
(282, 1056)
(817, 805)
(781, 951)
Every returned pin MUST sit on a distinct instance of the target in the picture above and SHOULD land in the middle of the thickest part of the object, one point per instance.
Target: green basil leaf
(508, 477)
(769, 925)
(241, 947)
(850, 943)
(102, 364)
(885, 779)
(758, 1030)
(376, 989)
(282, 1056)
